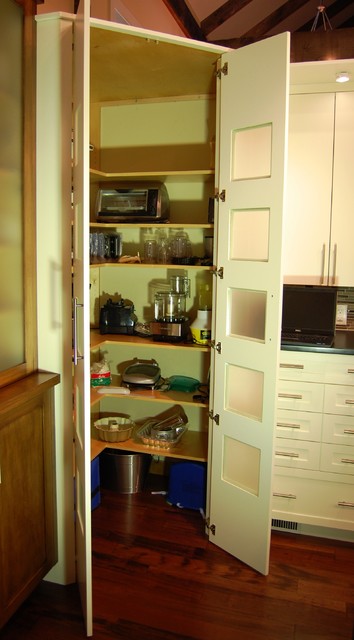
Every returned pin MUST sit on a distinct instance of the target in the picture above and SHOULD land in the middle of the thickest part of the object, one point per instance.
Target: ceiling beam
(185, 19)
(226, 11)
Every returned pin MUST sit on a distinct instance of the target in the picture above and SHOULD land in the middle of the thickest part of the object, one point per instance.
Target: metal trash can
(123, 471)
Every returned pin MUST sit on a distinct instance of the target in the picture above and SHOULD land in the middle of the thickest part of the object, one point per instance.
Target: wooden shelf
(148, 395)
(151, 225)
(192, 446)
(163, 176)
(98, 340)
(143, 265)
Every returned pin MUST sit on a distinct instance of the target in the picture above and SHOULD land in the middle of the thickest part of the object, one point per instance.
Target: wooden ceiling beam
(185, 19)
(223, 13)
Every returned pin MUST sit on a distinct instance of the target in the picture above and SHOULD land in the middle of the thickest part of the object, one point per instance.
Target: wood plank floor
(156, 577)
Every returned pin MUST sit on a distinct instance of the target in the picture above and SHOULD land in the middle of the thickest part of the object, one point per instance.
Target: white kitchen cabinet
(318, 220)
(314, 452)
(158, 123)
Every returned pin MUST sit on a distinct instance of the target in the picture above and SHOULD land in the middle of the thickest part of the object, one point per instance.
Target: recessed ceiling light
(343, 76)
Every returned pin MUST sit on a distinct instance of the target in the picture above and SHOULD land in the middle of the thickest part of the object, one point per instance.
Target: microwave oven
(132, 203)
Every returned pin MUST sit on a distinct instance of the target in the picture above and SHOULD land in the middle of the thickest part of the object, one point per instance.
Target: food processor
(171, 323)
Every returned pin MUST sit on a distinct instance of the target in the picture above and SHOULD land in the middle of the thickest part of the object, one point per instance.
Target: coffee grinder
(171, 323)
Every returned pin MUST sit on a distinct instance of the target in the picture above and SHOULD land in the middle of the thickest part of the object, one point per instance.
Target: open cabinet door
(81, 311)
(253, 106)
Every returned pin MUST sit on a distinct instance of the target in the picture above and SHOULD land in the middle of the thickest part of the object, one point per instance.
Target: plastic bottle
(201, 327)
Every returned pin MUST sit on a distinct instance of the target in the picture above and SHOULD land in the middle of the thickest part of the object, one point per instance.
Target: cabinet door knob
(76, 356)
(323, 264)
(334, 264)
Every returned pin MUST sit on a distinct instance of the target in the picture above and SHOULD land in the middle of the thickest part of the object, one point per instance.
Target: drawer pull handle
(284, 495)
(285, 365)
(350, 370)
(344, 503)
(293, 396)
(290, 425)
(350, 401)
(288, 454)
(350, 431)
(347, 461)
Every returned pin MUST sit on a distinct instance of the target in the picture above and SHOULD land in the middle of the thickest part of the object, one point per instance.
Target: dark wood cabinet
(28, 537)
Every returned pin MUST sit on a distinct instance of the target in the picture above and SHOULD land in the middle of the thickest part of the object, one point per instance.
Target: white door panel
(253, 124)
(82, 312)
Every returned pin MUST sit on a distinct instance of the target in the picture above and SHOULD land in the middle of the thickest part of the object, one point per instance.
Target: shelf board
(148, 395)
(163, 176)
(98, 340)
(144, 265)
(151, 225)
(192, 446)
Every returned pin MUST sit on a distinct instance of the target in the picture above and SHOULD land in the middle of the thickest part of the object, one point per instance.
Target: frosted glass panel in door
(12, 333)
(241, 463)
(251, 153)
(246, 314)
(244, 391)
(249, 235)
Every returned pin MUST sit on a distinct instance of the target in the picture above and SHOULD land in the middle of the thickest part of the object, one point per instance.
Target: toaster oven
(132, 203)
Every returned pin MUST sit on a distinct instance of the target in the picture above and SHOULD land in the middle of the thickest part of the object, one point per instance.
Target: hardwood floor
(156, 577)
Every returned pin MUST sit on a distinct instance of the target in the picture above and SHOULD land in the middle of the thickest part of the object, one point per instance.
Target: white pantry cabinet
(158, 123)
(318, 220)
(153, 105)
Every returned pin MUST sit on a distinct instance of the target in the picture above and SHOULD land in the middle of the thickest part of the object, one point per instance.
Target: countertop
(343, 344)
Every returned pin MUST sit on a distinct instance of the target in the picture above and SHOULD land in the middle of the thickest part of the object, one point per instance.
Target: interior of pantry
(152, 121)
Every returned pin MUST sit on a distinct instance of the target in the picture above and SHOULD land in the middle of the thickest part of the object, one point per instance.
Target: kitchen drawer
(313, 501)
(340, 370)
(301, 396)
(339, 399)
(299, 425)
(337, 459)
(338, 429)
(300, 366)
(297, 454)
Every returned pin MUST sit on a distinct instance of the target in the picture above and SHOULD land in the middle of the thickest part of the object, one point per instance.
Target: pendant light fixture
(321, 12)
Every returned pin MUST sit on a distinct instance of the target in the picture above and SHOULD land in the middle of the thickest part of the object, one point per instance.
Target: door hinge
(222, 70)
(220, 196)
(216, 346)
(219, 272)
(210, 527)
(215, 417)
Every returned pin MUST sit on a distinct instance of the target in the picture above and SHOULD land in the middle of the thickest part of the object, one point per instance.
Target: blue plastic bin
(187, 485)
